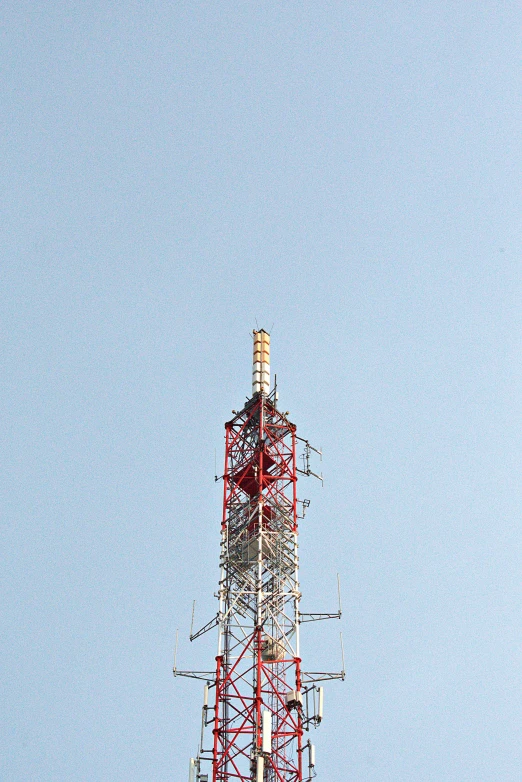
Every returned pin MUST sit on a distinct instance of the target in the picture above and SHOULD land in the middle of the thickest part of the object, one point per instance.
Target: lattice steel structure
(258, 701)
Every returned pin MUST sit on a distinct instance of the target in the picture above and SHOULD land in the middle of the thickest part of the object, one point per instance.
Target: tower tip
(261, 362)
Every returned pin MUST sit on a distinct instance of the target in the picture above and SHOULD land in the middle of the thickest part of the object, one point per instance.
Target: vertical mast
(260, 701)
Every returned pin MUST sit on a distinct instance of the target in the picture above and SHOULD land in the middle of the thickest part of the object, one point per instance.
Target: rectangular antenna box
(293, 699)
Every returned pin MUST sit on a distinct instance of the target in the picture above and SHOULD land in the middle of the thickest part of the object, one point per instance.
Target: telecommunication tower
(258, 702)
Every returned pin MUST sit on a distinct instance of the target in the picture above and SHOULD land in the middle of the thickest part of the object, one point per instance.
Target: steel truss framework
(258, 665)
(258, 659)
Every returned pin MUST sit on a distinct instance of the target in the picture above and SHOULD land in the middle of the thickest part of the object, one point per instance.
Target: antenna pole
(176, 650)
(192, 622)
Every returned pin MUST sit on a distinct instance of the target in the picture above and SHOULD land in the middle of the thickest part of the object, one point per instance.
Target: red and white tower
(258, 702)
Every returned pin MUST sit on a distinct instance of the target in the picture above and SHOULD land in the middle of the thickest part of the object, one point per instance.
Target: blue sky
(346, 175)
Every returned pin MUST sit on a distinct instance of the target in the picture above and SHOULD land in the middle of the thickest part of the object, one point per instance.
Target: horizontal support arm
(321, 676)
(209, 625)
(206, 676)
(316, 617)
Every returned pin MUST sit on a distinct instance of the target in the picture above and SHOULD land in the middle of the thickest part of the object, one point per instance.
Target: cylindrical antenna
(320, 704)
(261, 363)
(339, 594)
(342, 655)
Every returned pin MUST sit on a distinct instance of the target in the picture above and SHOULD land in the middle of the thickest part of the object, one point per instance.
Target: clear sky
(347, 175)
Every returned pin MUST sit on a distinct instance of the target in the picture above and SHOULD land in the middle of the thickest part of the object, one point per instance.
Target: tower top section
(261, 363)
